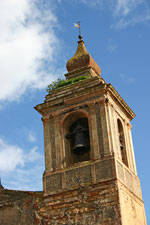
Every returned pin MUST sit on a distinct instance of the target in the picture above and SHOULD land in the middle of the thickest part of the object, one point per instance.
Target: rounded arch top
(120, 125)
(70, 118)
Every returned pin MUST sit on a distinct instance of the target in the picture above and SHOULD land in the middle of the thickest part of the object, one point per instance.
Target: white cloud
(27, 39)
(131, 12)
(131, 80)
(31, 137)
(11, 156)
(118, 6)
(32, 155)
(124, 22)
(125, 6)
(29, 178)
(18, 167)
(93, 3)
(111, 47)
(125, 12)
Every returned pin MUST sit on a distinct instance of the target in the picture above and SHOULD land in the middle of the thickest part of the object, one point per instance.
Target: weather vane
(78, 26)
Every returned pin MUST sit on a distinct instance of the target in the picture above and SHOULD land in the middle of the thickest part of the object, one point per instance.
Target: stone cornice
(120, 100)
(70, 92)
(84, 89)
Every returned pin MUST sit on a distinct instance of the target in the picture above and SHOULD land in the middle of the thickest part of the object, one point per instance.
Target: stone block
(120, 171)
(77, 176)
(104, 170)
(54, 182)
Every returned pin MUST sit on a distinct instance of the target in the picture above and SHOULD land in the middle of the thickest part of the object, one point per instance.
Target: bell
(121, 141)
(80, 146)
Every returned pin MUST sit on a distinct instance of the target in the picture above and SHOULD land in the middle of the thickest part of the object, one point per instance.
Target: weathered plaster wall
(132, 208)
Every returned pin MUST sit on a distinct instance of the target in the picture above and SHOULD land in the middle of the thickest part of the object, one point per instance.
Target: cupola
(82, 63)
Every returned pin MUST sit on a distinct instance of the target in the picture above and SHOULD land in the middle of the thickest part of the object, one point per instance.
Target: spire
(82, 59)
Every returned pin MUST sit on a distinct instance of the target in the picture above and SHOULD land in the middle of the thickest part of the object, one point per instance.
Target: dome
(82, 59)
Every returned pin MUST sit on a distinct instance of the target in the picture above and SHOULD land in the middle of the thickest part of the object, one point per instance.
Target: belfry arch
(122, 144)
(76, 137)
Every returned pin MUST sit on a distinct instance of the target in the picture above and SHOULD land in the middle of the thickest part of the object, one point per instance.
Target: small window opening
(122, 143)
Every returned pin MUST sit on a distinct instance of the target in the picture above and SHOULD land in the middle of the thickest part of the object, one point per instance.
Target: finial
(81, 60)
(78, 26)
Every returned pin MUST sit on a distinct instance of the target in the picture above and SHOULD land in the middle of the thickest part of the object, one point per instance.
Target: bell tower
(88, 149)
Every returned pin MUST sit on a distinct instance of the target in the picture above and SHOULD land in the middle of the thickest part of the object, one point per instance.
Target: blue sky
(37, 38)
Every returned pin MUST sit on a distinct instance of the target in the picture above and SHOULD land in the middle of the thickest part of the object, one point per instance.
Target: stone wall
(92, 205)
(95, 204)
(19, 207)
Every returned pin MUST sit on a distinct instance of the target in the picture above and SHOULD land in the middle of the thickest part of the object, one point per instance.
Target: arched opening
(76, 138)
(122, 143)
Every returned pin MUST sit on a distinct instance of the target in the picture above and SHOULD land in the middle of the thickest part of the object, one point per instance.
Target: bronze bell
(80, 146)
(78, 139)
(121, 141)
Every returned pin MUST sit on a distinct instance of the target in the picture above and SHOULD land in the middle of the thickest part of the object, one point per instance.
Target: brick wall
(96, 204)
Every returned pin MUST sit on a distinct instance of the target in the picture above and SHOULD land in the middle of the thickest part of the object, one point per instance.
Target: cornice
(113, 91)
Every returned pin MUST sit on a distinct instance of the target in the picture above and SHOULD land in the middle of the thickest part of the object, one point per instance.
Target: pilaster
(47, 144)
(131, 148)
(94, 136)
(105, 128)
(58, 149)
